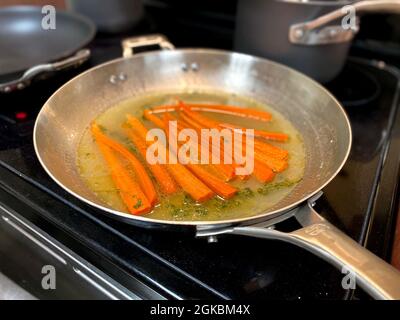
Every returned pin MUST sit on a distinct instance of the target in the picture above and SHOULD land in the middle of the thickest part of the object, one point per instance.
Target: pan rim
(337, 3)
(265, 216)
(66, 53)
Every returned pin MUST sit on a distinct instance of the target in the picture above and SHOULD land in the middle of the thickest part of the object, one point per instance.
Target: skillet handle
(129, 45)
(373, 6)
(20, 83)
(306, 33)
(374, 275)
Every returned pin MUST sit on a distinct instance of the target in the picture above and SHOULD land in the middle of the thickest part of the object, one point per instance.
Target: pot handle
(20, 83)
(301, 33)
(129, 45)
(374, 275)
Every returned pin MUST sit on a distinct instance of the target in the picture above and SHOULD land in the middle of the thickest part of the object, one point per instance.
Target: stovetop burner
(178, 265)
(352, 93)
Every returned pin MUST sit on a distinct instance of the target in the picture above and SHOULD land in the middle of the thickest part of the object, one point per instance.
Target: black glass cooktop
(176, 264)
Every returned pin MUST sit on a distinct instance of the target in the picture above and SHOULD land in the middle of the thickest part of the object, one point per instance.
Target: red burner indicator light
(21, 115)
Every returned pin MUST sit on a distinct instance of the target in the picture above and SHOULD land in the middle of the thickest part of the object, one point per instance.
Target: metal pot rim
(330, 3)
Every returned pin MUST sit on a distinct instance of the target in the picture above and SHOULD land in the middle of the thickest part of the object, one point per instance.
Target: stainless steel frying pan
(312, 109)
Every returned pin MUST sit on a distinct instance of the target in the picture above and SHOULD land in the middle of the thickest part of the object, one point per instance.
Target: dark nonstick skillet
(28, 50)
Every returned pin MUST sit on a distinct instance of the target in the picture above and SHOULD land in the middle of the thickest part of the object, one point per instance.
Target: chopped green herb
(220, 204)
(201, 211)
(187, 200)
(103, 128)
(178, 213)
(246, 192)
(267, 188)
(138, 204)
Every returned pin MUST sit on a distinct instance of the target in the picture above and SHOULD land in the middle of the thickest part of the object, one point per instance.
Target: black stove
(144, 263)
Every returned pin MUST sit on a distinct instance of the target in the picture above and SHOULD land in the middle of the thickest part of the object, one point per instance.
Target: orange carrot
(202, 120)
(272, 157)
(227, 171)
(130, 192)
(218, 186)
(138, 126)
(154, 119)
(275, 136)
(275, 164)
(159, 172)
(144, 179)
(267, 149)
(218, 108)
(262, 146)
(193, 124)
(262, 172)
(189, 183)
(209, 123)
(270, 150)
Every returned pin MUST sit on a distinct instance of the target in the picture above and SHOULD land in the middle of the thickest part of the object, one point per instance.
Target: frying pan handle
(306, 34)
(20, 83)
(129, 45)
(374, 275)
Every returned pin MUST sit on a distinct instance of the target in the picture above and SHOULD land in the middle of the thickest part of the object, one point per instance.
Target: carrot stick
(209, 123)
(159, 172)
(144, 179)
(189, 183)
(154, 119)
(263, 147)
(269, 156)
(227, 171)
(129, 191)
(190, 122)
(276, 165)
(202, 120)
(218, 186)
(218, 108)
(273, 157)
(275, 136)
(270, 150)
(262, 172)
(235, 110)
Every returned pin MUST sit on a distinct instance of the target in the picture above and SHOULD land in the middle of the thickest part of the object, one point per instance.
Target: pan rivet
(20, 85)
(184, 67)
(194, 66)
(298, 33)
(381, 64)
(212, 239)
(332, 32)
(7, 89)
(113, 79)
(122, 76)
